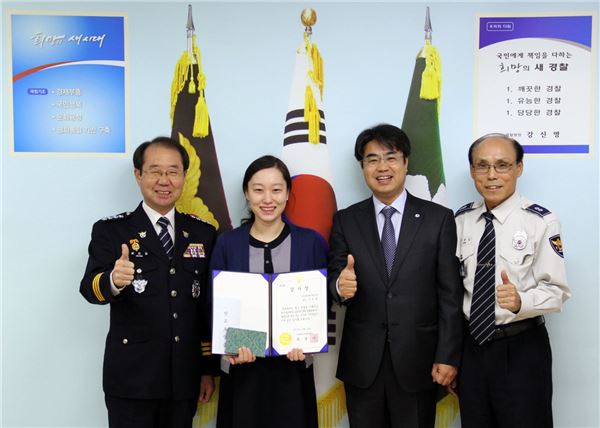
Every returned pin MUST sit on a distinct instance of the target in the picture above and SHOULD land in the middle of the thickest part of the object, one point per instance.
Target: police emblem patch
(556, 244)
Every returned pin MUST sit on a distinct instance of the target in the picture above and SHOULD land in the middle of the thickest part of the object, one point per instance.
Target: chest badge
(142, 234)
(139, 285)
(135, 244)
(519, 240)
(185, 234)
(196, 289)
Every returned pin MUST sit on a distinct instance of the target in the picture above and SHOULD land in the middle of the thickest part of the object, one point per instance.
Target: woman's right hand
(244, 355)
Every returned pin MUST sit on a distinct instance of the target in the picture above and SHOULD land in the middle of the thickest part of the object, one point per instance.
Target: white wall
(52, 340)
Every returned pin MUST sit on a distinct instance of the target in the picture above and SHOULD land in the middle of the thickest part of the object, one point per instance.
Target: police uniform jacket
(153, 347)
(528, 248)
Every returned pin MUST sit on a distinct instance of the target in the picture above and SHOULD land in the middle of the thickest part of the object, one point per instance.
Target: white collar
(398, 203)
(154, 215)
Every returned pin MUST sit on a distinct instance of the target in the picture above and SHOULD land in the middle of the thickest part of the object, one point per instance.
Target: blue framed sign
(536, 79)
(68, 83)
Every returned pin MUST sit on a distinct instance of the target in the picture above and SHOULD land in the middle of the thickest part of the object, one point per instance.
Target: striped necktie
(165, 236)
(483, 316)
(388, 238)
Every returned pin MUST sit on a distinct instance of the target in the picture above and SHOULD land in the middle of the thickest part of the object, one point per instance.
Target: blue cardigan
(232, 250)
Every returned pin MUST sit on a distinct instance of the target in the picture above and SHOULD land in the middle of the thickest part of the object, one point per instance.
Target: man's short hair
(167, 142)
(516, 145)
(387, 135)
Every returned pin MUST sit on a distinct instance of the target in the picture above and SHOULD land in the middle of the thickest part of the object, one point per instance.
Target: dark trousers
(507, 383)
(386, 405)
(134, 413)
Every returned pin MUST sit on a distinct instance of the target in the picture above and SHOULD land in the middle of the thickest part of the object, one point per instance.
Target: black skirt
(268, 393)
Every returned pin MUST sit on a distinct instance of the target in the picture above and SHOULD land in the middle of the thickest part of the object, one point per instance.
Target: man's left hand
(207, 387)
(443, 374)
(507, 294)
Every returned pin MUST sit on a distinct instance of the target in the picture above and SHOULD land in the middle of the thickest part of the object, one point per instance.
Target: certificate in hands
(291, 308)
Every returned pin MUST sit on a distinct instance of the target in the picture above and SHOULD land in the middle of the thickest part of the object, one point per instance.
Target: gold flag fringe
(431, 79)
(315, 77)
(332, 406)
(207, 412)
(188, 202)
(446, 411)
(184, 72)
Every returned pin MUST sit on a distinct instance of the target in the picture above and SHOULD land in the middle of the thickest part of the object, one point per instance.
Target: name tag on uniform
(195, 251)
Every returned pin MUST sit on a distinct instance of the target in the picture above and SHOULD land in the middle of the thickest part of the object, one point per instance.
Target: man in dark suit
(151, 266)
(393, 264)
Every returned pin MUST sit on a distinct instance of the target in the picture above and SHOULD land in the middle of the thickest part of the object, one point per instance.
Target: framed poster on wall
(68, 83)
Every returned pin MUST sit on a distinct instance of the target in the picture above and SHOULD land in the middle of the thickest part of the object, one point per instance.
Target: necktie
(165, 237)
(388, 238)
(483, 304)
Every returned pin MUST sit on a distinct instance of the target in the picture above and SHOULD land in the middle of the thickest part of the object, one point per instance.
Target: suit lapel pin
(186, 234)
(142, 234)
(417, 215)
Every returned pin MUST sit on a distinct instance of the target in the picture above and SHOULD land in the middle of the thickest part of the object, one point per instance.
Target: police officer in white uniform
(505, 378)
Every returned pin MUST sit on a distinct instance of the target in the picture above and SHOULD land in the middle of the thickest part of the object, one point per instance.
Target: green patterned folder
(235, 338)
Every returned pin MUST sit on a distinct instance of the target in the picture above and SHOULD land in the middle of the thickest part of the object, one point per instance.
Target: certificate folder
(291, 308)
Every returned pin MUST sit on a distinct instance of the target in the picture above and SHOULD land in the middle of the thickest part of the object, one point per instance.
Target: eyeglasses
(484, 168)
(156, 174)
(391, 159)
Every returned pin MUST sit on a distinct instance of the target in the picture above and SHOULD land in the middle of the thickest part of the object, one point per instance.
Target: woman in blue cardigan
(276, 391)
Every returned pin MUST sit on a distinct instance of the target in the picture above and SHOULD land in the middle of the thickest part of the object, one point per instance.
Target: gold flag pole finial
(308, 18)
(314, 77)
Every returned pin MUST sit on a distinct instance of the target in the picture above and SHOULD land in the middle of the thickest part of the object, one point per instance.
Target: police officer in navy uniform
(505, 379)
(151, 266)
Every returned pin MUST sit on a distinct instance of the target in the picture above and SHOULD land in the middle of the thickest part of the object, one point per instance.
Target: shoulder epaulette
(117, 216)
(538, 209)
(195, 217)
(464, 209)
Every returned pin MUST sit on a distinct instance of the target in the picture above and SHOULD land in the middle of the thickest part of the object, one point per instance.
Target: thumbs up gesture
(507, 295)
(347, 279)
(122, 273)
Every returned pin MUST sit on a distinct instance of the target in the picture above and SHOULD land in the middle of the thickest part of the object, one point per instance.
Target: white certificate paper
(239, 300)
(299, 312)
(290, 307)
